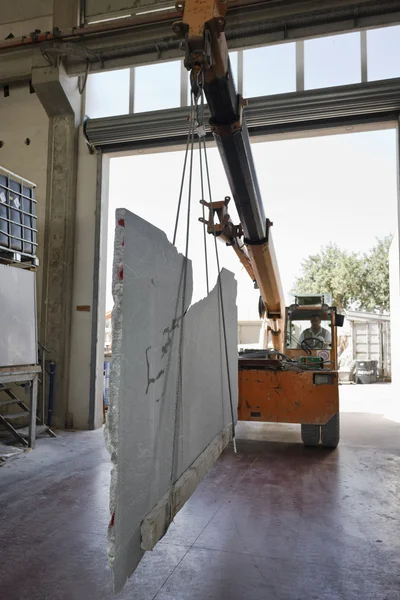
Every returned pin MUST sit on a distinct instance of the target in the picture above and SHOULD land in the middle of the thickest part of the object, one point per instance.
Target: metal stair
(20, 433)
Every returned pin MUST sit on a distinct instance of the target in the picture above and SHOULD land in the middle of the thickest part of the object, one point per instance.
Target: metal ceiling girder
(248, 24)
(149, 38)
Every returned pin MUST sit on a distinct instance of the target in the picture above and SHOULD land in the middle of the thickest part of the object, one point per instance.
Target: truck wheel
(310, 435)
(330, 432)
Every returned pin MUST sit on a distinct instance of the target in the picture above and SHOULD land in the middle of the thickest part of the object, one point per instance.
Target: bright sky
(337, 188)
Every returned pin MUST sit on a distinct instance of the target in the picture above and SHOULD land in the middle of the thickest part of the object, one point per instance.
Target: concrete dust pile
(169, 411)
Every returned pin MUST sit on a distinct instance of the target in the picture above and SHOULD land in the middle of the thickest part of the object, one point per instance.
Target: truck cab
(302, 342)
(299, 384)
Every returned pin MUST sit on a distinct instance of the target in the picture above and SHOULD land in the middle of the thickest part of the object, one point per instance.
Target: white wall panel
(18, 344)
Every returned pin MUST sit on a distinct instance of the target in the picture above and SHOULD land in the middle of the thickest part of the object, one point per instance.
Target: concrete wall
(86, 385)
(24, 16)
(24, 133)
(38, 132)
(81, 324)
(23, 118)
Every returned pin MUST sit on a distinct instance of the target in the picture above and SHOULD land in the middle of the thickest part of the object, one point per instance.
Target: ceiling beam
(149, 38)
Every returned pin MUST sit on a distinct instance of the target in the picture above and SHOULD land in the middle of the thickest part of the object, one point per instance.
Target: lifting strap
(196, 126)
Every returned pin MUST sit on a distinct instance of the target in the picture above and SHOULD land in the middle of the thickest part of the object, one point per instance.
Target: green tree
(375, 293)
(332, 271)
(354, 280)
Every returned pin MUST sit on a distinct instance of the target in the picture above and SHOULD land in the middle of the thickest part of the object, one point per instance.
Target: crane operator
(316, 336)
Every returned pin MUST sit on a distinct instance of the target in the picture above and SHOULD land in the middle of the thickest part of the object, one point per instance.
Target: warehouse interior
(85, 86)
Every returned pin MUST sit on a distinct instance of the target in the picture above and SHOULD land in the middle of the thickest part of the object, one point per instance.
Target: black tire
(310, 435)
(330, 432)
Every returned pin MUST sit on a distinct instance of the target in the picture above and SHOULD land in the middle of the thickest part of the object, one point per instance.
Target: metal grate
(18, 233)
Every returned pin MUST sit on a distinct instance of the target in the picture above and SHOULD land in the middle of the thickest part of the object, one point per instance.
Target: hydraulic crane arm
(203, 25)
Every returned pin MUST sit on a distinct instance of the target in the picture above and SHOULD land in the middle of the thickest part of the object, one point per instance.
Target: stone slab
(156, 522)
(168, 380)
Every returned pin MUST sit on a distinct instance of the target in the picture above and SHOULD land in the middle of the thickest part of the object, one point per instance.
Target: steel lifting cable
(219, 284)
(191, 129)
(200, 120)
(204, 224)
(183, 281)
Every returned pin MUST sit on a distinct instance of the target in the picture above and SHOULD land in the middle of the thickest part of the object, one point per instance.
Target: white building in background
(366, 337)
(249, 334)
(394, 270)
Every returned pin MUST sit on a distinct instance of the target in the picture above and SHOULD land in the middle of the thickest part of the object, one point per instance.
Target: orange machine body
(286, 397)
(269, 393)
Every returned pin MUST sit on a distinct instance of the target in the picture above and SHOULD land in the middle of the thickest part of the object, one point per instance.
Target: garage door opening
(330, 198)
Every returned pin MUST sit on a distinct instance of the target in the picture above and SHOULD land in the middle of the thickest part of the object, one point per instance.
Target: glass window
(309, 331)
(269, 70)
(383, 50)
(233, 56)
(107, 94)
(157, 87)
(331, 61)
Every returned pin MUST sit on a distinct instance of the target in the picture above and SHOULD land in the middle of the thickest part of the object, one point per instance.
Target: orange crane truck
(294, 379)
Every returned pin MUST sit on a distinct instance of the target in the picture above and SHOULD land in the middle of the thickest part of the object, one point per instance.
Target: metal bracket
(225, 228)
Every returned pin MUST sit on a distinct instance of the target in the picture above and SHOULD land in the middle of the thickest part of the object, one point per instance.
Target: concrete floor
(275, 522)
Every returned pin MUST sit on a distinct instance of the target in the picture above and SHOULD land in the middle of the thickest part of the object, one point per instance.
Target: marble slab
(168, 393)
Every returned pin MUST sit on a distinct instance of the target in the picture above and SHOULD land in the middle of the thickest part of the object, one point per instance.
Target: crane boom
(297, 384)
(202, 25)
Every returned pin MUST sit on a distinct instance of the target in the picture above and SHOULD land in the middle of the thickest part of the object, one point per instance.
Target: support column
(89, 285)
(61, 100)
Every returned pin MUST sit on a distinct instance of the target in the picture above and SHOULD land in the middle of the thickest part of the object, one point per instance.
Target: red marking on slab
(121, 273)
(121, 222)
(112, 520)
